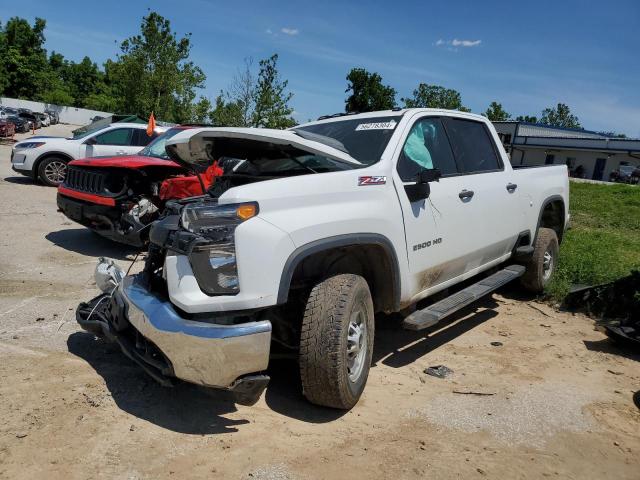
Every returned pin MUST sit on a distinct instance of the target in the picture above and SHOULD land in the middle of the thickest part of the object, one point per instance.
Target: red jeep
(119, 197)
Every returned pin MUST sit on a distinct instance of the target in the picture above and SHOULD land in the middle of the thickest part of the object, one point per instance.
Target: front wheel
(543, 262)
(336, 342)
(52, 171)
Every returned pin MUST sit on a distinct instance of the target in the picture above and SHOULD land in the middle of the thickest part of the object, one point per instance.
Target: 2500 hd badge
(420, 246)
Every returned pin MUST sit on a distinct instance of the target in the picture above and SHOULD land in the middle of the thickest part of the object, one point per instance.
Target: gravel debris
(271, 472)
(529, 416)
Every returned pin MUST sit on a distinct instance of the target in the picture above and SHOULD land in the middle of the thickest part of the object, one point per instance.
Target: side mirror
(421, 189)
(91, 141)
(430, 175)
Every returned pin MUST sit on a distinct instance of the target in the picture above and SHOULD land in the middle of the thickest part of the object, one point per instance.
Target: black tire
(543, 262)
(330, 375)
(52, 170)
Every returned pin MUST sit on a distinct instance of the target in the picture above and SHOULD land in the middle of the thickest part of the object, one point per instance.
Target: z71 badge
(372, 180)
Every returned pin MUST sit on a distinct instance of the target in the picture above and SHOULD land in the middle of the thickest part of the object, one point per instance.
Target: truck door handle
(464, 194)
(511, 187)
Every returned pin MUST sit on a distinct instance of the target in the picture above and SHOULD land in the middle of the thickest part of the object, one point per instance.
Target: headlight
(29, 145)
(213, 255)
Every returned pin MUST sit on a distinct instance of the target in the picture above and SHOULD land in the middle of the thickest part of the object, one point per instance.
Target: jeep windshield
(156, 147)
(362, 138)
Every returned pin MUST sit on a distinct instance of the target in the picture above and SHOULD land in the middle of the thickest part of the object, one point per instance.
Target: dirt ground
(558, 397)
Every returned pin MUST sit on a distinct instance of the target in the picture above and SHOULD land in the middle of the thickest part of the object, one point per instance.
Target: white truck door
(437, 237)
(492, 215)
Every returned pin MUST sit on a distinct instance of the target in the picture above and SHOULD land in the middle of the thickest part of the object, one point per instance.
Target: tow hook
(247, 390)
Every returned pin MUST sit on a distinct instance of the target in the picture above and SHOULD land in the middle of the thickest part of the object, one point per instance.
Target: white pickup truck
(298, 246)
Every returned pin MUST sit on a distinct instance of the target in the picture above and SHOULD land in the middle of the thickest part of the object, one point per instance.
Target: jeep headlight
(213, 254)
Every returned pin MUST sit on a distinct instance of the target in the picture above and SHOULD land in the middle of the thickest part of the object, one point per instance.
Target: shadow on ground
(606, 345)
(85, 242)
(396, 347)
(284, 395)
(22, 181)
(184, 408)
(136, 393)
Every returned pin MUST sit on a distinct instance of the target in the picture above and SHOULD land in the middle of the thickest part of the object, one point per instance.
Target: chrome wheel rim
(547, 265)
(55, 171)
(356, 345)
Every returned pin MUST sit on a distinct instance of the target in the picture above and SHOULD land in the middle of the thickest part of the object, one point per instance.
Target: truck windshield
(156, 147)
(363, 138)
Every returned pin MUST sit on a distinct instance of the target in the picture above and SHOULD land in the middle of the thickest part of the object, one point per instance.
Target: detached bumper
(213, 355)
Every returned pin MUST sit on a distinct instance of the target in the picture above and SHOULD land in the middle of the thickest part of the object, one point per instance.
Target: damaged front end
(169, 346)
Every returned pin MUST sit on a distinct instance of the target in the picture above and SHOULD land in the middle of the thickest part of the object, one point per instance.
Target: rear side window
(427, 147)
(472, 146)
(117, 136)
(141, 139)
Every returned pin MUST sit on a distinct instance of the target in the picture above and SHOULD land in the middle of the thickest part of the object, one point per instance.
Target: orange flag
(152, 125)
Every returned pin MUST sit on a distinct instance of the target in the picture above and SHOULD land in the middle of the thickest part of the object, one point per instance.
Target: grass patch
(604, 241)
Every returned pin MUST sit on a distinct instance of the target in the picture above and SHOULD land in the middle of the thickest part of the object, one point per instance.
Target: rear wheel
(543, 262)
(52, 171)
(336, 342)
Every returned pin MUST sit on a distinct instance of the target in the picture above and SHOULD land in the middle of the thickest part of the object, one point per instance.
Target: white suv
(46, 158)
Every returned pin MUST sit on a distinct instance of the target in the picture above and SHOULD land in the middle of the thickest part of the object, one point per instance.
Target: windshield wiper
(331, 142)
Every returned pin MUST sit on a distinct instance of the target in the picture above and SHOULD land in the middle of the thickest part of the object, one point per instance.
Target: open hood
(197, 148)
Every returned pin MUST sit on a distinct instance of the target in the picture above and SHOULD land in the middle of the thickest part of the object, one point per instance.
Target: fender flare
(337, 241)
(547, 201)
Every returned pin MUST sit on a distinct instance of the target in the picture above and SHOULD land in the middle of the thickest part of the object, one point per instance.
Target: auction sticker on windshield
(377, 126)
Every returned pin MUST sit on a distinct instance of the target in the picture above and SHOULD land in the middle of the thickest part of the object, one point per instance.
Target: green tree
(496, 113)
(227, 112)
(367, 93)
(153, 72)
(4, 80)
(83, 79)
(435, 96)
(235, 107)
(612, 134)
(23, 60)
(271, 98)
(527, 118)
(201, 111)
(55, 92)
(560, 116)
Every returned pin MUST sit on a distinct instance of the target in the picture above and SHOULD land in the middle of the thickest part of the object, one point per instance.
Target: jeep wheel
(336, 342)
(52, 171)
(543, 262)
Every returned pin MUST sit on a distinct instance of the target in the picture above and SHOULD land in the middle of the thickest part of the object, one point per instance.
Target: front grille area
(85, 180)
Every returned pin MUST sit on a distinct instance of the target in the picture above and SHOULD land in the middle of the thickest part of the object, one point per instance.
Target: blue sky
(526, 55)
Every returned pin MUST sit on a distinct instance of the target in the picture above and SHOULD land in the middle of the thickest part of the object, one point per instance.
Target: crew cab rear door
(493, 213)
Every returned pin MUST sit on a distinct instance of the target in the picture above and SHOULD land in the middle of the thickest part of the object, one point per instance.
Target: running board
(433, 314)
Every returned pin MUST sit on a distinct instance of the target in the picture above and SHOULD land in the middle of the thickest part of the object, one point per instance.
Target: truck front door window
(426, 147)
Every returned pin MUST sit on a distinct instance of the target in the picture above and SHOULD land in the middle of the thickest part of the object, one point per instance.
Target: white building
(598, 154)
